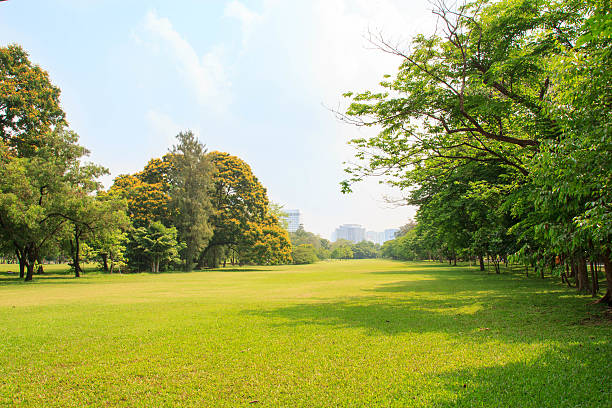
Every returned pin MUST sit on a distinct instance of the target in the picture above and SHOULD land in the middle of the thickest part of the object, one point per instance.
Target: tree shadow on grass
(576, 375)
(474, 309)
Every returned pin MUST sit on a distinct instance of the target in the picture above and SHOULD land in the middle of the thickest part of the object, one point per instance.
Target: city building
(293, 220)
(375, 237)
(390, 234)
(351, 232)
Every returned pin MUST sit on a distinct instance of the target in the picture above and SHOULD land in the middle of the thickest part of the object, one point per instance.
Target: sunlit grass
(344, 333)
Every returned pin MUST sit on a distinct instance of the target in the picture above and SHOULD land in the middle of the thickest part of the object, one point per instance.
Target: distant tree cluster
(309, 248)
(498, 128)
(189, 208)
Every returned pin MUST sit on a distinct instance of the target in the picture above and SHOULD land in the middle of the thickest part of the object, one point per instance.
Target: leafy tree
(36, 194)
(90, 217)
(242, 219)
(29, 104)
(158, 244)
(304, 254)
(146, 202)
(342, 252)
(365, 250)
(190, 179)
(302, 237)
(276, 210)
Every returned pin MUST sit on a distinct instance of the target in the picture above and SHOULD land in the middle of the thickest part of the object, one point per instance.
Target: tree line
(310, 248)
(497, 127)
(189, 208)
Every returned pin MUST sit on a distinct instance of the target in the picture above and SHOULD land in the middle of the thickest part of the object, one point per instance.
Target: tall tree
(190, 178)
(242, 218)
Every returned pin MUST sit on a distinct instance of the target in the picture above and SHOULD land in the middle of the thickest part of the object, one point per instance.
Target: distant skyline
(252, 78)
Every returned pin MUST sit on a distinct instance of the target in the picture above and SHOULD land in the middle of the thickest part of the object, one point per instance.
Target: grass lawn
(344, 333)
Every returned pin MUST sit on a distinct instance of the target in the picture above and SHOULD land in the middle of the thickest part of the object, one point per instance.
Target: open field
(345, 333)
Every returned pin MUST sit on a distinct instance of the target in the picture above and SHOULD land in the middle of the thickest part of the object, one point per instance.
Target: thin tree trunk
(607, 298)
(77, 250)
(481, 262)
(594, 278)
(22, 265)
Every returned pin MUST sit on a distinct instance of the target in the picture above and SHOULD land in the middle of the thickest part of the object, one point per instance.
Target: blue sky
(252, 78)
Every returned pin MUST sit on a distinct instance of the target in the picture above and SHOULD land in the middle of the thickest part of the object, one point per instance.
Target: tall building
(351, 232)
(375, 237)
(293, 219)
(390, 234)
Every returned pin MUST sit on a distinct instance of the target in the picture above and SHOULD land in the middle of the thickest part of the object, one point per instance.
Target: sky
(257, 79)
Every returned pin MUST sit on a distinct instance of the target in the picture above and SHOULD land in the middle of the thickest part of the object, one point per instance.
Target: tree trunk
(76, 260)
(30, 271)
(40, 270)
(481, 261)
(594, 278)
(455, 261)
(105, 262)
(22, 265)
(582, 277)
(607, 298)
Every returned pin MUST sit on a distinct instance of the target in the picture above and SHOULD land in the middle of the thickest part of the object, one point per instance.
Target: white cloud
(204, 75)
(248, 19)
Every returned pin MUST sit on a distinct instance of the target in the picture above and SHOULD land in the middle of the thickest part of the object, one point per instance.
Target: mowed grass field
(369, 333)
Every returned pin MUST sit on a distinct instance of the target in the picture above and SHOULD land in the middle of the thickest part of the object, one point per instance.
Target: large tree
(242, 218)
(190, 179)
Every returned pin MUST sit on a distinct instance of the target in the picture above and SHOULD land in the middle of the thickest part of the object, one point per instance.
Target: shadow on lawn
(476, 308)
(566, 376)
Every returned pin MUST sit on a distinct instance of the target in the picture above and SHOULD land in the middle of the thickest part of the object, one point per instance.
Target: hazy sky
(252, 78)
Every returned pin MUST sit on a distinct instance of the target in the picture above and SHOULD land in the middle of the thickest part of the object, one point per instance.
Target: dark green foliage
(304, 254)
(499, 129)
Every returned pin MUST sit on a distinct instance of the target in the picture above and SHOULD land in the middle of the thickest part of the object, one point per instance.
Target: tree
(146, 202)
(158, 244)
(92, 217)
(35, 195)
(190, 179)
(242, 219)
(302, 237)
(365, 250)
(342, 252)
(304, 254)
(29, 103)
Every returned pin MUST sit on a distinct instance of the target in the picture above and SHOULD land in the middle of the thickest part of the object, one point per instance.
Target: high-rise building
(390, 234)
(375, 237)
(293, 219)
(351, 232)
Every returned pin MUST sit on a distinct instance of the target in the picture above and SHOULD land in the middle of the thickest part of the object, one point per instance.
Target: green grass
(345, 333)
